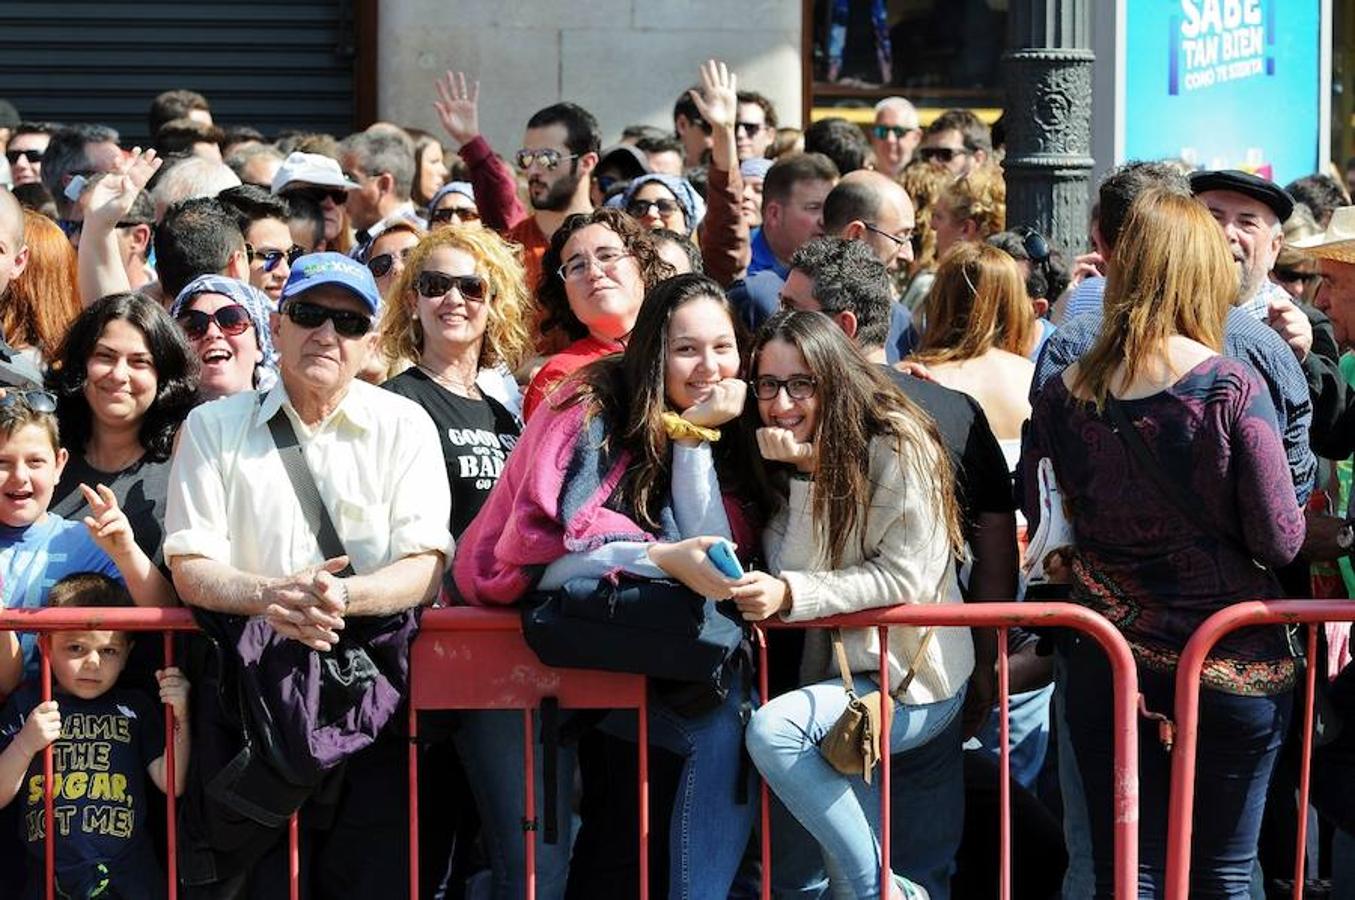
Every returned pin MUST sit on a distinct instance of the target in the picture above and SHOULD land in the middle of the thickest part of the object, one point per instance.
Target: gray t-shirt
(141, 489)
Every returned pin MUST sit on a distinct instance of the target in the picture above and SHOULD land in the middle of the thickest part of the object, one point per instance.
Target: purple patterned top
(1140, 562)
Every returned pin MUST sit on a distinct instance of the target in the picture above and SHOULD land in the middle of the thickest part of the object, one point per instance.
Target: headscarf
(258, 305)
(755, 168)
(693, 207)
(452, 187)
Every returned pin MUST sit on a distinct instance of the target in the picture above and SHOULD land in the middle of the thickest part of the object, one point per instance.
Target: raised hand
(458, 106)
(107, 523)
(724, 404)
(718, 99)
(111, 198)
(779, 445)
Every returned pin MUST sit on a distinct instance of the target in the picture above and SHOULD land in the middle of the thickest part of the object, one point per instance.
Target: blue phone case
(722, 557)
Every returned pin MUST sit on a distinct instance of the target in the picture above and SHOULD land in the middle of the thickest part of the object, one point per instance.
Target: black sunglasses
(751, 129)
(33, 156)
(447, 213)
(318, 195)
(640, 208)
(1034, 243)
(381, 264)
(39, 401)
(272, 257)
(232, 320)
(313, 315)
(439, 284)
(941, 154)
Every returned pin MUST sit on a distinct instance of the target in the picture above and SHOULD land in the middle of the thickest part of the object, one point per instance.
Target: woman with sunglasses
(226, 321)
(595, 276)
(624, 474)
(125, 378)
(453, 204)
(458, 312)
(663, 201)
(867, 518)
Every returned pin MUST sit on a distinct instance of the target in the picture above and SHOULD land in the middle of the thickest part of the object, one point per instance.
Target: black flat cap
(1254, 186)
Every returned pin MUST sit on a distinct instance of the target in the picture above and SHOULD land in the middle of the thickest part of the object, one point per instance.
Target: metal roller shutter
(278, 65)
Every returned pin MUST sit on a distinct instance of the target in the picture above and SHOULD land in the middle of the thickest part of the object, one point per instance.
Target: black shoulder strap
(303, 483)
(1182, 497)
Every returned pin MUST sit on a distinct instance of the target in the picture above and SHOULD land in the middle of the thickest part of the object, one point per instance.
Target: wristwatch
(1345, 536)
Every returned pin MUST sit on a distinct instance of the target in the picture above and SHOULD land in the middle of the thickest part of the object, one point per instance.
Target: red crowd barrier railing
(1188, 672)
(1003, 616)
(476, 658)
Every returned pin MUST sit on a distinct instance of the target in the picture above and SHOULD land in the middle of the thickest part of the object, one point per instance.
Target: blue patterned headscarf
(253, 300)
(693, 207)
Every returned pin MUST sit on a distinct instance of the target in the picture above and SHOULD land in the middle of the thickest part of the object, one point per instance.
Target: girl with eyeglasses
(594, 277)
(866, 518)
(226, 322)
(457, 315)
(638, 466)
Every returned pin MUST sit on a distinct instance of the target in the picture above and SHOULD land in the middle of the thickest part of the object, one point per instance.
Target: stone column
(1049, 118)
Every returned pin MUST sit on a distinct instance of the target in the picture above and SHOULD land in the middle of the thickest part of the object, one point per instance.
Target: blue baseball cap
(316, 269)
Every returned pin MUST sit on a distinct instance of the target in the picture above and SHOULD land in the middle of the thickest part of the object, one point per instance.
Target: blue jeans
(713, 812)
(1239, 738)
(1028, 730)
(839, 812)
(926, 804)
(490, 745)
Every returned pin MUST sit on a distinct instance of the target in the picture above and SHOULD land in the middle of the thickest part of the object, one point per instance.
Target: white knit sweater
(907, 559)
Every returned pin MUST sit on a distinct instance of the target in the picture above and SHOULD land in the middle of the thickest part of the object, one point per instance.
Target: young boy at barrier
(106, 740)
(38, 547)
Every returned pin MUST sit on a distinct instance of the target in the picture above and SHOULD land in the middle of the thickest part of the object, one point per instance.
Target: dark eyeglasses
(272, 256)
(699, 123)
(312, 315)
(1290, 276)
(318, 195)
(439, 284)
(232, 320)
(1034, 243)
(798, 387)
(39, 401)
(751, 129)
(448, 213)
(640, 208)
(882, 132)
(381, 265)
(33, 156)
(547, 159)
(899, 241)
(941, 154)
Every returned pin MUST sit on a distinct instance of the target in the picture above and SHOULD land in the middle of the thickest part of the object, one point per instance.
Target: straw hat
(1337, 242)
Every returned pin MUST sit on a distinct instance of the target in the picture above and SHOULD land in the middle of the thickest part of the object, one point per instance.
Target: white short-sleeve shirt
(376, 461)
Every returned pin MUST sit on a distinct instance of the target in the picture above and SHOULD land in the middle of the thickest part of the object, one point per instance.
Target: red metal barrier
(487, 645)
(1188, 673)
(1003, 616)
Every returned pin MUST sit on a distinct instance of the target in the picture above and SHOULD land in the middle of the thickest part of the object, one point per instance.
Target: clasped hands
(309, 606)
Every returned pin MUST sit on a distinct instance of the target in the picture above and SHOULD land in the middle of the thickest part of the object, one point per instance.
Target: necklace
(456, 387)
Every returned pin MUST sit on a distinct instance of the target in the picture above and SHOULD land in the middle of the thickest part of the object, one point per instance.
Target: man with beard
(559, 151)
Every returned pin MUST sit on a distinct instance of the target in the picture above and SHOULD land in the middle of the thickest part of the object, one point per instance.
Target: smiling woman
(125, 378)
(227, 323)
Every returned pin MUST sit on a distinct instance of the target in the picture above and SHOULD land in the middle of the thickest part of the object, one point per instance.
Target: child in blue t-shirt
(106, 740)
(38, 548)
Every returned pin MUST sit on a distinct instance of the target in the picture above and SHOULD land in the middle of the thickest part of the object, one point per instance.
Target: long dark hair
(858, 402)
(627, 390)
(176, 372)
(550, 293)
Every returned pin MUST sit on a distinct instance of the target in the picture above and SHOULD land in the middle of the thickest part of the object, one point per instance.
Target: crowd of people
(694, 379)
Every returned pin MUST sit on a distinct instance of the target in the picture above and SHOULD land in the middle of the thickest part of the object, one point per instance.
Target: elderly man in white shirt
(237, 541)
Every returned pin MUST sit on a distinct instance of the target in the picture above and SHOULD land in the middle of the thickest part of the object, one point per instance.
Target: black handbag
(661, 629)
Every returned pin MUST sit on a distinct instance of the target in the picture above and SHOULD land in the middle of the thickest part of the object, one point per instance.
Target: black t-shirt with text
(476, 435)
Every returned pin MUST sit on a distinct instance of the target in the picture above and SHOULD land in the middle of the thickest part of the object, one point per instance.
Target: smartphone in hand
(721, 556)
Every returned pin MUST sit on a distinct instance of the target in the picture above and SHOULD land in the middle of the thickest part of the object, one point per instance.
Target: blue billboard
(1225, 84)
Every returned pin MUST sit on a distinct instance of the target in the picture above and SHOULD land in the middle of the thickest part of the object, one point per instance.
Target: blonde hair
(507, 339)
(977, 302)
(980, 195)
(924, 183)
(1172, 273)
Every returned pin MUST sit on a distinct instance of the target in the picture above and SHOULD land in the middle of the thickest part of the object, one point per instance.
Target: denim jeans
(841, 813)
(714, 811)
(1239, 738)
(926, 806)
(490, 745)
(1028, 730)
